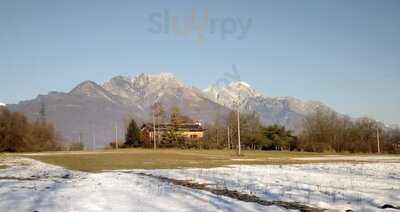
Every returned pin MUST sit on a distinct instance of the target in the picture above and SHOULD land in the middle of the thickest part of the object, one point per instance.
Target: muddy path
(236, 195)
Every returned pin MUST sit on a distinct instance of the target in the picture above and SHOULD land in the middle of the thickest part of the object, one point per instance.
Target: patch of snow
(2, 104)
(335, 186)
(142, 86)
(108, 191)
(233, 92)
(243, 159)
(351, 158)
(339, 186)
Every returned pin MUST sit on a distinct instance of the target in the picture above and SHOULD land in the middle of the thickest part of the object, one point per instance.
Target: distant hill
(92, 110)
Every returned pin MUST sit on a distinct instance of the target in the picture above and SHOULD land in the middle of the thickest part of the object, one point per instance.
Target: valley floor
(31, 185)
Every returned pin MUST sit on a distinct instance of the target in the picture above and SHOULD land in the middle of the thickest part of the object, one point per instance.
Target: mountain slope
(87, 111)
(286, 111)
(144, 90)
(91, 110)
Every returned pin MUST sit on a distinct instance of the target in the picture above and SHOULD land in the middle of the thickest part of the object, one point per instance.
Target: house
(189, 131)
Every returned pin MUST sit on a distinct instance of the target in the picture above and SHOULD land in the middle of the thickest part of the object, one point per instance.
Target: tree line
(17, 134)
(222, 134)
(322, 131)
(325, 130)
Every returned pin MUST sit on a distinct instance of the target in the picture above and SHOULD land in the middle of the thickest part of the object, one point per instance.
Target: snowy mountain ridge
(231, 94)
(95, 108)
(242, 92)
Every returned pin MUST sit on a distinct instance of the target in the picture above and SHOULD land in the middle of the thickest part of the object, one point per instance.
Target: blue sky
(343, 53)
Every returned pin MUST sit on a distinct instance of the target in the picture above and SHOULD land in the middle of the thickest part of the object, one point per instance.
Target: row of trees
(322, 131)
(17, 134)
(223, 134)
(325, 130)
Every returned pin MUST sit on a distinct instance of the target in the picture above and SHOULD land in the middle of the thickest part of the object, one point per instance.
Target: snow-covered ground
(364, 158)
(29, 185)
(335, 186)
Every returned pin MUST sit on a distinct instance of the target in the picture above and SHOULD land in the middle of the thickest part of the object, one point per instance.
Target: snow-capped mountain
(2, 104)
(144, 90)
(90, 108)
(138, 88)
(232, 94)
(287, 111)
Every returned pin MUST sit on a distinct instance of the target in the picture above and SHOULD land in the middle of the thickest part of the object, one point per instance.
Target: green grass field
(164, 159)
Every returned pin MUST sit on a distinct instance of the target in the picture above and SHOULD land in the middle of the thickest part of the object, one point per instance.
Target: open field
(175, 158)
(367, 183)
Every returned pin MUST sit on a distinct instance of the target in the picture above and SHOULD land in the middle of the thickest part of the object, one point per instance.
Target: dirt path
(236, 195)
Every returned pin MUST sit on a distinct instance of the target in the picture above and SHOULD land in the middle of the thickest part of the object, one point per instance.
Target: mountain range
(91, 112)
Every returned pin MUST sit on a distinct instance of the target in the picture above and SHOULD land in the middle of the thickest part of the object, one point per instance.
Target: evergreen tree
(176, 120)
(133, 134)
(279, 138)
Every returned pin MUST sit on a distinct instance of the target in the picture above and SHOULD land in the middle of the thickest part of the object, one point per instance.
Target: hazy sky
(345, 53)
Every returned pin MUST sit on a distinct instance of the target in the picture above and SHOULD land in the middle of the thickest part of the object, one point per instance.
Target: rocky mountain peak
(233, 92)
(85, 87)
(141, 86)
(241, 88)
(91, 89)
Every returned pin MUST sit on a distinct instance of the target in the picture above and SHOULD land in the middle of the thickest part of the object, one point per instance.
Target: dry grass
(163, 159)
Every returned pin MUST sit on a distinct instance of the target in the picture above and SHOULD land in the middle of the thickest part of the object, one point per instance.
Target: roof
(192, 127)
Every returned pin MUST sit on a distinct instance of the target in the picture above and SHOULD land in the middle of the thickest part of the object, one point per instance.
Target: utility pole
(238, 103)
(80, 138)
(94, 141)
(154, 132)
(116, 136)
(229, 139)
(93, 137)
(123, 135)
(238, 123)
(378, 140)
(216, 131)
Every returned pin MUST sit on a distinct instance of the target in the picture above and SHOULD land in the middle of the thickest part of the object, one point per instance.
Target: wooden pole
(238, 123)
(229, 139)
(116, 136)
(94, 141)
(378, 140)
(94, 138)
(154, 132)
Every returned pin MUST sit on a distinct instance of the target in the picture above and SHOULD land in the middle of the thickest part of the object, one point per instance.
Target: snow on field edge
(52, 188)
